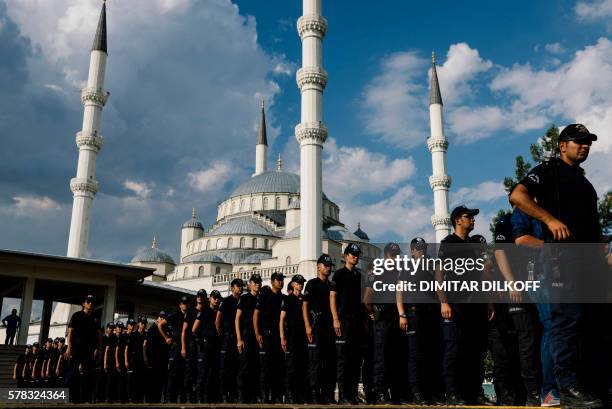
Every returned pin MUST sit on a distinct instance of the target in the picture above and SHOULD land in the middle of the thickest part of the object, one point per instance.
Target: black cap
(326, 260)
(50, 340)
(131, 322)
(277, 276)
(56, 340)
(184, 300)
(202, 293)
(89, 297)
(119, 324)
(393, 249)
(238, 282)
(162, 314)
(478, 238)
(298, 278)
(418, 243)
(256, 278)
(353, 249)
(110, 325)
(215, 294)
(576, 132)
(36, 344)
(62, 340)
(143, 320)
(28, 346)
(460, 211)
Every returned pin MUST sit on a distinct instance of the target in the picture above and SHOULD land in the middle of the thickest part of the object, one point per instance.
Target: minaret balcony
(311, 131)
(437, 220)
(437, 144)
(89, 140)
(84, 185)
(439, 182)
(311, 78)
(313, 25)
(97, 96)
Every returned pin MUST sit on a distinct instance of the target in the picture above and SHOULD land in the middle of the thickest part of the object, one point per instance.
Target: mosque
(275, 220)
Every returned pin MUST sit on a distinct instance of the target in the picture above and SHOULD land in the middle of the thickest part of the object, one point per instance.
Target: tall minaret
(84, 186)
(438, 143)
(261, 150)
(310, 133)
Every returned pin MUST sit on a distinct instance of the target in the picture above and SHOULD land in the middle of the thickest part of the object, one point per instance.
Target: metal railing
(226, 278)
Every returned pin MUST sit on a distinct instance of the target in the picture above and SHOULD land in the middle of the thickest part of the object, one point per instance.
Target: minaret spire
(279, 164)
(261, 149)
(89, 141)
(438, 144)
(154, 244)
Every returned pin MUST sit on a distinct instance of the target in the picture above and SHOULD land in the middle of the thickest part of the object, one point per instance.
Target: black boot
(454, 399)
(578, 398)
(533, 398)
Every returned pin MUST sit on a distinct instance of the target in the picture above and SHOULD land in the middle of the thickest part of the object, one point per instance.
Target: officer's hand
(559, 230)
(57, 372)
(403, 323)
(14, 377)
(68, 353)
(184, 352)
(446, 311)
(259, 340)
(240, 346)
(516, 297)
(338, 328)
(490, 312)
(372, 316)
(284, 344)
(309, 334)
(169, 341)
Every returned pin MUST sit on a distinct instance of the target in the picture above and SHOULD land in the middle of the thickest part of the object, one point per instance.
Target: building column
(110, 300)
(45, 322)
(25, 310)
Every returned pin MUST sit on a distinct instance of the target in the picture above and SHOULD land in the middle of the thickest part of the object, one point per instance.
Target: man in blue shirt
(11, 322)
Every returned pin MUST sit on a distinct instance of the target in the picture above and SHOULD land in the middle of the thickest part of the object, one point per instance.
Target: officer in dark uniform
(225, 323)
(176, 363)
(382, 309)
(189, 348)
(105, 391)
(419, 320)
(266, 325)
(37, 367)
(559, 195)
(81, 343)
(134, 360)
(60, 370)
(207, 341)
(19, 366)
(293, 341)
(121, 380)
(156, 346)
(320, 333)
(347, 311)
(248, 350)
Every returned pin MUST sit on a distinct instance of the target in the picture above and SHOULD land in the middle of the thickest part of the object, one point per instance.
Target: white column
(89, 141)
(311, 133)
(110, 301)
(25, 311)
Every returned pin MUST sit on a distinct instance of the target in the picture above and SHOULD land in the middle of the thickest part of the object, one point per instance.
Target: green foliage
(521, 168)
(547, 147)
(605, 212)
(501, 213)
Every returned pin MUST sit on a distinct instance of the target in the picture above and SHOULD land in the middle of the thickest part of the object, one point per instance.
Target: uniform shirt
(454, 247)
(412, 298)
(246, 304)
(189, 318)
(53, 357)
(228, 308)
(269, 306)
(84, 331)
(11, 321)
(565, 192)
(21, 361)
(294, 320)
(134, 343)
(384, 303)
(39, 359)
(347, 286)
(110, 342)
(175, 325)
(157, 349)
(206, 329)
(316, 293)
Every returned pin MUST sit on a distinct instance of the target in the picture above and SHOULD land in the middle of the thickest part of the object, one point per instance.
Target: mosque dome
(204, 258)
(270, 182)
(193, 222)
(152, 255)
(360, 233)
(243, 225)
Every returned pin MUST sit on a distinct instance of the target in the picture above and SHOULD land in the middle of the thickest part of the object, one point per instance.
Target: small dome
(339, 233)
(244, 225)
(360, 233)
(254, 259)
(193, 222)
(204, 258)
(152, 255)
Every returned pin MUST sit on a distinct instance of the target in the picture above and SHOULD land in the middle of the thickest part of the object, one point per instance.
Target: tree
(605, 212)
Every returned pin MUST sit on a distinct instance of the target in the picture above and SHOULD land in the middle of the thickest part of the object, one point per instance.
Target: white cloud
(284, 69)
(31, 206)
(142, 190)
(554, 48)
(484, 192)
(593, 10)
(212, 179)
(395, 107)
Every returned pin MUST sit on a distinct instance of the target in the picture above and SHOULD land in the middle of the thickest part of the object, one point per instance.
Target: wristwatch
(403, 315)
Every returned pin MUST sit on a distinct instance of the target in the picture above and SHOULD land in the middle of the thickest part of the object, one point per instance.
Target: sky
(185, 79)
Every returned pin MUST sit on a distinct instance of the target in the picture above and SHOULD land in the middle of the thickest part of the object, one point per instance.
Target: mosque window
(265, 203)
(254, 243)
(252, 204)
(234, 207)
(242, 242)
(185, 271)
(207, 244)
(288, 261)
(242, 204)
(218, 246)
(201, 271)
(278, 203)
(266, 244)
(200, 246)
(229, 243)
(217, 270)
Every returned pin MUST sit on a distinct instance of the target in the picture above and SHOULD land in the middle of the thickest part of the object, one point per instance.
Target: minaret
(438, 143)
(279, 164)
(311, 134)
(84, 186)
(261, 150)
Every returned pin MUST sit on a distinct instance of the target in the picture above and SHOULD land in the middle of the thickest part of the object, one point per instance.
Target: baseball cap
(277, 276)
(256, 278)
(184, 300)
(326, 260)
(576, 132)
(298, 278)
(238, 282)
(461, 210)
(392, 249)
(36, 344)
(131, 322)
(119, 324)
(143, 320)
(202, 293)
(418, 243)
(353, 249)
(162, 314)
(62, 340)
(50, 340)
(110, 325)
(215, 294)
(89, 297)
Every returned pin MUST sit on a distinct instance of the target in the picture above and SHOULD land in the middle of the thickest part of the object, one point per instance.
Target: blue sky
(185, 77)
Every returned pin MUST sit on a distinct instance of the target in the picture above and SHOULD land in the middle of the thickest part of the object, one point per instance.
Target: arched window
(217, 270)
(229, 243)
(265, 203)
(200, 246)
(234, 207)
(218, 246)
(278, 203)
(185, 271)
(201, 271)
(266, 244)
(242, 242)
(252, 204)
(207, 244)
(254, 243)
(288, 261)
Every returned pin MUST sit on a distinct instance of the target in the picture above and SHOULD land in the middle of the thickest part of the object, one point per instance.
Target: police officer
(134, 359)
(189, 349)
(104, 390)
(225, 323)
(155, 354)
(121, 375)
(19, 366)
(266, 325)
(81, 344)
(320, 333)
(559, 195)
(176, 363)
(60, 371)
(293, 341)
(348, 317)
(248, 372)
